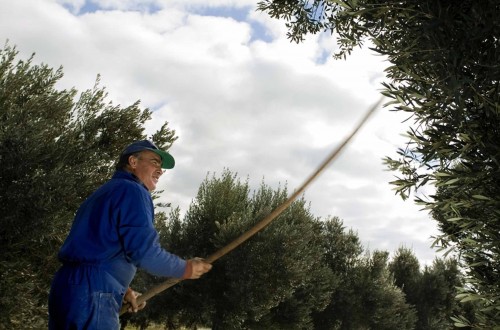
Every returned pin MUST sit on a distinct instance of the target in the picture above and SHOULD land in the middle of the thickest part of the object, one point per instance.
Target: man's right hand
(199, 267)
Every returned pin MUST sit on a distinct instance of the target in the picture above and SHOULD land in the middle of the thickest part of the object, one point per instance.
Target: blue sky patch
(89, 7)
(260, 32)
(240, 14)
(92, 7)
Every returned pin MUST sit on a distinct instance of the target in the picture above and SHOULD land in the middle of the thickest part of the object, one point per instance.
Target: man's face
(147, 167)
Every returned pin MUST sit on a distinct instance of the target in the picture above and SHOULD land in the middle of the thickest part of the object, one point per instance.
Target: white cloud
(265, 109)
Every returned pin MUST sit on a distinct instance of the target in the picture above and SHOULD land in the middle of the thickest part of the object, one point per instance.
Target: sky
(240, 96)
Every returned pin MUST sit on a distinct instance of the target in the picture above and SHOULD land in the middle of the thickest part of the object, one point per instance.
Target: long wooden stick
(268, 219)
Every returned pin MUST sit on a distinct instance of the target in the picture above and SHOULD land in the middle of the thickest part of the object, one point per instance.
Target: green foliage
(54, 152)
(384, 303)
(431, 291)
(342, 254)
(298, 273)
(405, 269)
(366, 298)
(268, 281)
(444, 71)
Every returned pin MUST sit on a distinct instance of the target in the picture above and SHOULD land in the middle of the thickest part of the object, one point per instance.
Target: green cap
(167, 161)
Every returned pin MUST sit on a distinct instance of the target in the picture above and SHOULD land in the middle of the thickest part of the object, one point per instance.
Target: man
(112, 235)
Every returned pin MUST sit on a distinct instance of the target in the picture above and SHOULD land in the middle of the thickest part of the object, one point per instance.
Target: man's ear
(132, 161)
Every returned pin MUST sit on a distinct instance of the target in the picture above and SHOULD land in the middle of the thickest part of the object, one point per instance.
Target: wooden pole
(268, 219)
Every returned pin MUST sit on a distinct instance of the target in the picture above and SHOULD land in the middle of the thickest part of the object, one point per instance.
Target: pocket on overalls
(108, 312)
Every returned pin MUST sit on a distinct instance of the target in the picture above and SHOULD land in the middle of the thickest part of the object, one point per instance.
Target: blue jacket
(114, 228)
(112, 235)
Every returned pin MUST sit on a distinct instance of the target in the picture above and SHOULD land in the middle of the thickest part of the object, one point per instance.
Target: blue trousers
(84, 297)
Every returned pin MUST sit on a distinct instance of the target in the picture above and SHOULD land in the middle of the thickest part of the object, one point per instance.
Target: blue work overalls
(112, 234)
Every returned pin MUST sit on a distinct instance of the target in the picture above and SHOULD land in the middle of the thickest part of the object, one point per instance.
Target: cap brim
(167, 161)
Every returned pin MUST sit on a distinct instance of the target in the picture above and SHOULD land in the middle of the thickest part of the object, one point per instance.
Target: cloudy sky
(240, 96)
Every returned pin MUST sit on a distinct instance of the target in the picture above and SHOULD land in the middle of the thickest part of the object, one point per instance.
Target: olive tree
(55, 148)
(444, 72)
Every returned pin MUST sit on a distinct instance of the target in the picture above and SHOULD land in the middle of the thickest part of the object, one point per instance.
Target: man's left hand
(131, 299)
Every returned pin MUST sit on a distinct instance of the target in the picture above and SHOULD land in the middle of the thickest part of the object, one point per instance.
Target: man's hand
(199, 267)
(131, 299)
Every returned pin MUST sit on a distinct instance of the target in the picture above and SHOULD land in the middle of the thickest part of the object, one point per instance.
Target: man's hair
(123, 161)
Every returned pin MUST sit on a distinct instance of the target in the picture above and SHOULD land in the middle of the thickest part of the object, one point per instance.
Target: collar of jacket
(121, 174)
